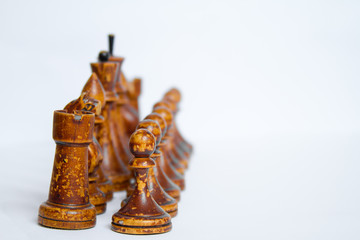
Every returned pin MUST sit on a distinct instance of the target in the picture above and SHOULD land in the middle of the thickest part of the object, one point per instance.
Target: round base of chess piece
(67, 216)
(97, 198)
(171, 208)
(141, 224)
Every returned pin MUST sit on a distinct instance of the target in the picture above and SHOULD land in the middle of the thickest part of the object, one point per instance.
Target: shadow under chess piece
(141, 214)
(165, 182)
(164, 200)
(68, 205)
(169, 169)
(113, 165)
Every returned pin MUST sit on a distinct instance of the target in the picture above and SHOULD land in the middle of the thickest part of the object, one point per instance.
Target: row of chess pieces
(102, 147)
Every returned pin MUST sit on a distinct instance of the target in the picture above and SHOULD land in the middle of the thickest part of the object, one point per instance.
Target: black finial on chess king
(111, 44)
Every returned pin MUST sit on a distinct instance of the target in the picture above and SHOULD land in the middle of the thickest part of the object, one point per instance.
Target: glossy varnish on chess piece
(68, 205)
(169, 169)
(113, 165)
(164, 200)
(94, 89)
(141, 214)
(165, 182)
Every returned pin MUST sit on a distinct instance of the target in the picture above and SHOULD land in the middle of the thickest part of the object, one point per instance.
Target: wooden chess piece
(94, 89)
(164, 200)
(141, 214)
(169, 169)
(166, 183)
(113, 165)
(174, 95)
(176, 155)
(68, 205)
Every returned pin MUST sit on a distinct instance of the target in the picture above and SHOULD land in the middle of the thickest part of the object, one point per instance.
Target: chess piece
(68, 205)
(176, 155)
(113, 165)
(141, 214)
(169, 169)
(165, 182)
(164, 200)
(174, 95)
(95, 90)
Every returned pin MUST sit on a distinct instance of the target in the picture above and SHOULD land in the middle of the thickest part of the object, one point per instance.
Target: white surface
(270, 101)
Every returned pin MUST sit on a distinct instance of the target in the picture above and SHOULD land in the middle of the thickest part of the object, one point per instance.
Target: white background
(270, 102)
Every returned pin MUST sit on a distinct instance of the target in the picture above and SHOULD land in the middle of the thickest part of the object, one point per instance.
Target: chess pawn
(68, 205)
(174, 95)
(165, 182)
(164, 200)
(94, 89)
(141, 214)
(169, 169)
(178, 159)
(113, 165)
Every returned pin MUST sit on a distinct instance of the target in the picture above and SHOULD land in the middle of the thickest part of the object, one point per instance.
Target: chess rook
(68, 205)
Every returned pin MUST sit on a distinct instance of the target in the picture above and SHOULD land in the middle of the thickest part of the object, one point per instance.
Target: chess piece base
(67, 216)
(100, 209)
(141, 225)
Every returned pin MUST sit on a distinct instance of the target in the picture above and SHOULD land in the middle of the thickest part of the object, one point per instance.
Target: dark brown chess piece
(141, 214)
(169, 169)
(95, 90)
(113, 165)
(166, 183)
(174, 96)
(164, 200)
(68, 205)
